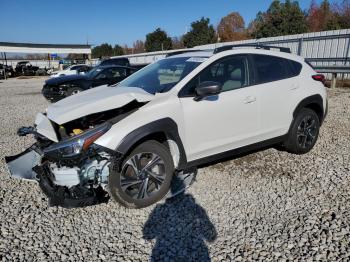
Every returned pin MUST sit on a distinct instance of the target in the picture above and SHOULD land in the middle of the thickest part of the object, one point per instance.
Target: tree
(201, 33)
(75, 56)
(104, 50)
(232, 28)
(280, 19)
(177, 43)
(313, 18)
(36, 56)
(118, 50)
(342, 13)
(139, 47)
(322, 18)
(157, 41)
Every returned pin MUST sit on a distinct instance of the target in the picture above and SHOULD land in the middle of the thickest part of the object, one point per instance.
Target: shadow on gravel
(180, 227)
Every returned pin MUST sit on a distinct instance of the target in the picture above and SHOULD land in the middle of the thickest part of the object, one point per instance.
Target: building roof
(44, 48)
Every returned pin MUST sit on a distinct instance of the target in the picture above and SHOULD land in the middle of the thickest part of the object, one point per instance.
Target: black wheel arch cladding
(164, 125)
(314, 102)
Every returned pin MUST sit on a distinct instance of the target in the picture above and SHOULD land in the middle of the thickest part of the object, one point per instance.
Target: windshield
(163, 75)
(94, 72)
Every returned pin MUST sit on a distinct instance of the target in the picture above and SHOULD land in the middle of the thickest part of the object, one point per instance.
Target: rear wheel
(304, 132)
(145, 176)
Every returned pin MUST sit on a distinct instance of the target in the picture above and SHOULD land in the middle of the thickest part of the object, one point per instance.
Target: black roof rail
(257, 46)
(183, 52)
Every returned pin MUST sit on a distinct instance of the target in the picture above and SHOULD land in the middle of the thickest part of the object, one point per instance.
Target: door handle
(249, 99)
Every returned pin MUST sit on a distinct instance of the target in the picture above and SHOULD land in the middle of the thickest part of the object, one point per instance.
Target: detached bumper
(21, 165)
(27, 165)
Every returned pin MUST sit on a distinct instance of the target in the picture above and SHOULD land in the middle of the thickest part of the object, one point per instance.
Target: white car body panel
(162, 106)
(220, 123)
(64, 73)
(94, 100)
(44, 127)
(276, 114)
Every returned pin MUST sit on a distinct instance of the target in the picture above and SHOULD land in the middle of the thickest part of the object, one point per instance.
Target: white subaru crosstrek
(131, 140)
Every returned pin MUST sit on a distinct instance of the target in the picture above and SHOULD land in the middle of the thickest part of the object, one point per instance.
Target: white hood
(95, 100)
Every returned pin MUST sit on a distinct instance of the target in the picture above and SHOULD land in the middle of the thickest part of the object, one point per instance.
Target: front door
(227, 121)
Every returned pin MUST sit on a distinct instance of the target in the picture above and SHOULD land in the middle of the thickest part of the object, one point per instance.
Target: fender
(315, 100)
(164, 125)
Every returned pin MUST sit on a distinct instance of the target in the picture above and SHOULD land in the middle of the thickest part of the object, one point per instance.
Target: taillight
(320, 78)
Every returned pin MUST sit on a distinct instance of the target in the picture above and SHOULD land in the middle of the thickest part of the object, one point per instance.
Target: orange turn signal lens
(88, 141)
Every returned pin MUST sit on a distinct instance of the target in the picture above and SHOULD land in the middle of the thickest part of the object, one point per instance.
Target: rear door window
(272, 68)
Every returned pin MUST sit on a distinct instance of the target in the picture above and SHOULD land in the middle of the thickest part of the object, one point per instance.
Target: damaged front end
(72, 172)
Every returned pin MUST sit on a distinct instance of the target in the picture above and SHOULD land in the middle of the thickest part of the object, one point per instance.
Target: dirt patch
(340, 83)
(31, 77)
(28, 94)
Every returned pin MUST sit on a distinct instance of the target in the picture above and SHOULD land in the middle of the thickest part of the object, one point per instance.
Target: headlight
(63, 86)
(74, 146)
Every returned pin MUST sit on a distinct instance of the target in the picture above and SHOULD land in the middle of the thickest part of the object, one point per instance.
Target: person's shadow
(180, 227)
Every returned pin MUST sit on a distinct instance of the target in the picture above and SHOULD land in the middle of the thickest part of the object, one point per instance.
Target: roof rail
(183, 52)
(257, 46)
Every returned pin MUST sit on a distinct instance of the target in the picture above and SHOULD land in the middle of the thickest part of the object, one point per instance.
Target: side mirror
(208, 88)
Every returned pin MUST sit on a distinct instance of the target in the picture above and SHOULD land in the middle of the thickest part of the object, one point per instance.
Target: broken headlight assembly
(76, 145)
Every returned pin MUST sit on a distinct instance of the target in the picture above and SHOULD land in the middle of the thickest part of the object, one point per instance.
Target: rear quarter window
(296, 68)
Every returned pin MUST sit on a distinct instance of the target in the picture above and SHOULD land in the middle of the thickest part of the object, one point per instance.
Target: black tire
(73, 91)
(303, 133)
(128, 193)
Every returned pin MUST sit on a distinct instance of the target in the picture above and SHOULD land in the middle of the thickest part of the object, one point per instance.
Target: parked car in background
(72, 70)
(60, 87)
(26, 68)
(6, 70)
(123, 61)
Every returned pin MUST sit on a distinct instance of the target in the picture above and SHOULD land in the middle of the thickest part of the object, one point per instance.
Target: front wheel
(145, 176)
(303, 133)
(73, 91)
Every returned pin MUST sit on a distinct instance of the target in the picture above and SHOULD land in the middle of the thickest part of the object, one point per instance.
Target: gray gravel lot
(265, 206)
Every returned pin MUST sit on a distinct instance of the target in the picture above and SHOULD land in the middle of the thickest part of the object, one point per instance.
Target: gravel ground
(266, 206)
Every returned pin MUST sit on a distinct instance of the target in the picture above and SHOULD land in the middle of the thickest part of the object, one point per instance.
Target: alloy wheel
(307, 131)
(142, 175)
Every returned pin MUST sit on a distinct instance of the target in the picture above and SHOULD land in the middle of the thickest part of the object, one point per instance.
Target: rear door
(276, 79)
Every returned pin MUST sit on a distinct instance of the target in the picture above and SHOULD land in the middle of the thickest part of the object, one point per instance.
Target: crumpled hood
(95, 100)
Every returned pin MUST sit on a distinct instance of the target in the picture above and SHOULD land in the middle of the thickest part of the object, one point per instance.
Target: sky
(113, 21)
